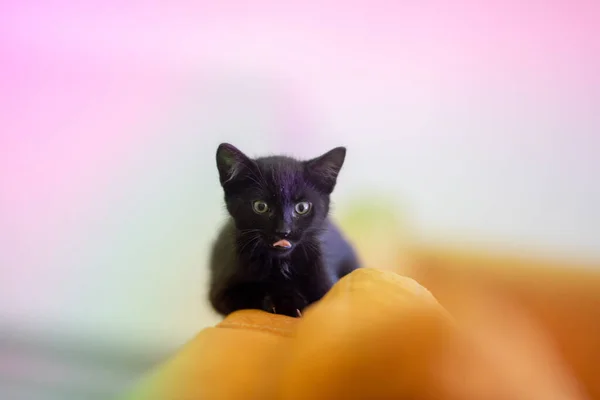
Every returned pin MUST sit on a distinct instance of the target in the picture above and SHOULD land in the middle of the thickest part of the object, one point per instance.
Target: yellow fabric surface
(375, 335)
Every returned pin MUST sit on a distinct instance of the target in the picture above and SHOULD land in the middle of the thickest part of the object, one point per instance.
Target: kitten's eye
(260, 207)
(302, 208)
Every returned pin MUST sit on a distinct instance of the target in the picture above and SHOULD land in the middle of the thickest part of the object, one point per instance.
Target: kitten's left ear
(324, 170)
(231, 162)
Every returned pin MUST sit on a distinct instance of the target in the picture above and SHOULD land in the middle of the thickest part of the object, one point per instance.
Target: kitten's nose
(282, 228)
(283, 232)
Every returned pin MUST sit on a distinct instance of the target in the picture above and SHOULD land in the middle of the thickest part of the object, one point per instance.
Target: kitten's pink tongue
(282, 243)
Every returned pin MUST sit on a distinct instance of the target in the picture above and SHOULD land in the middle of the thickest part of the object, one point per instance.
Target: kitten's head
(277, 199)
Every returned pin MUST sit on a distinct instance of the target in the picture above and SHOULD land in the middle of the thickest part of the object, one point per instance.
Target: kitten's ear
(324, 170)
(230, 162)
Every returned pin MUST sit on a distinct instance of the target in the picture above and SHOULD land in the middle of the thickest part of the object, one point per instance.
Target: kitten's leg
(238, 297)
(268, 305)
(290, 305)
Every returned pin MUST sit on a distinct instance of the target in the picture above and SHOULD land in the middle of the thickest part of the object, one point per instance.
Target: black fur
(246, 270)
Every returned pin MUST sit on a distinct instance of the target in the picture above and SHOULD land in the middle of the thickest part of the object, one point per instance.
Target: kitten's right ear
(324, 170)
(230, 162)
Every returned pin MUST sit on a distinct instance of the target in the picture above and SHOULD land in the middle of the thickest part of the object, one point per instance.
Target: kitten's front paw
(290, 306)
(268, 305)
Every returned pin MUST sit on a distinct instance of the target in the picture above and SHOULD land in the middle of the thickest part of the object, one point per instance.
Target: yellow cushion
(375, 335)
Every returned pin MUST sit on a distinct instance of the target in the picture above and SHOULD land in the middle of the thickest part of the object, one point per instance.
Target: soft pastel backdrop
(467, 121)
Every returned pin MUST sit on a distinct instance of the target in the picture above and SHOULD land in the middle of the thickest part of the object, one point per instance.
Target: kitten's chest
(285, 271)
(307, 277)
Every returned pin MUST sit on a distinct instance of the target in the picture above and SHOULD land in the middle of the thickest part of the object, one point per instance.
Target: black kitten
(278, 251)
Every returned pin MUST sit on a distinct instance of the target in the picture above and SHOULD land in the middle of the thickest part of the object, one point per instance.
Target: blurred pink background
(482, 118)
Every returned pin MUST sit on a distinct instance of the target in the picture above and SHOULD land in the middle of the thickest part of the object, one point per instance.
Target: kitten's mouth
(282, 244)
